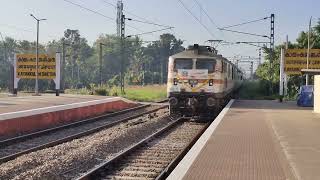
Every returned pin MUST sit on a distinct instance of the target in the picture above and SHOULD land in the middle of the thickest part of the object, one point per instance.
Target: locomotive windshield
(183, 63)
(208, 64)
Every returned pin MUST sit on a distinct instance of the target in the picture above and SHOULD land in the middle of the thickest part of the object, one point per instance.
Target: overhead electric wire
(125, 11)
(205, 12)
(146, 22)
(150, 32)
(98, 13)
(209, 17)
(190, 12)
(110, 4)
(248, 22)
(93, 11)
(252, 34)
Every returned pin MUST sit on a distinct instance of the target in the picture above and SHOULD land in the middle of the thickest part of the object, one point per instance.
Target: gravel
(69, 160)
(61, 133)
(151, 159)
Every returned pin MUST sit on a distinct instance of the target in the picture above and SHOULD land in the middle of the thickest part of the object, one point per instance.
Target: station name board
(296, 59)
(26, 66)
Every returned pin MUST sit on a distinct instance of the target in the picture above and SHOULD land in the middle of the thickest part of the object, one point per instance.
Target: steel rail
(166, 172)
(75, 136)
(92, 174)
(14, 140)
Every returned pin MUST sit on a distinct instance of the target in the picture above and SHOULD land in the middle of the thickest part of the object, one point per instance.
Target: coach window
(208, 64)
(225, 67)
(183, 64)
(232, 73)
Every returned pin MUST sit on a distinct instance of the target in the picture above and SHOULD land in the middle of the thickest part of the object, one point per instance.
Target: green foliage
(141, 64)
(270, 70)
(101, 91)
(82, 91)
(114, 91)
(257, 89)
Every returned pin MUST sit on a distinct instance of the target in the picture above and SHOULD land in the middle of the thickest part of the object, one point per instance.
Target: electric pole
(121, 34)
(251, 70)
(119, 16)
(271, 50)
(122, 41)
(37, 55)
(259, 56)
(100, 63)
(308, 52)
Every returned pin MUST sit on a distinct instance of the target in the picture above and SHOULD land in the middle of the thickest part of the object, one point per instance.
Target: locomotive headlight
(175, 81)
(211, 82)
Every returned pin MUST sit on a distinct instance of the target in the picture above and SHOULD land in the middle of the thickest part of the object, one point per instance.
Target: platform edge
(36, 111)
(183, 167)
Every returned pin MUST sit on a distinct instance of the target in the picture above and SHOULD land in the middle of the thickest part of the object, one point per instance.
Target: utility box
(305, 96)
(317, 93)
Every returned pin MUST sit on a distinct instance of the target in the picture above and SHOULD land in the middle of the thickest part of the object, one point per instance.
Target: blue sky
(291, 18)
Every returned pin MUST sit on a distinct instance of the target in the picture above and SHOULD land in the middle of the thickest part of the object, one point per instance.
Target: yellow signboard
(26, 66)
(296, 59)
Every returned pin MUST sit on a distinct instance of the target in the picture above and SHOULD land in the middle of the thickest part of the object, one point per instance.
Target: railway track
(15, 147)
(153, 157)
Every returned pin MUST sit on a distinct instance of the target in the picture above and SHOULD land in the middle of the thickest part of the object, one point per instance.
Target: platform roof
(311, 71)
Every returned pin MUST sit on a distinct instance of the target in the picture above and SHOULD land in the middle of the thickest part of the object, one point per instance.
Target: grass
(255, 90)
(145, 93)
(149, 93)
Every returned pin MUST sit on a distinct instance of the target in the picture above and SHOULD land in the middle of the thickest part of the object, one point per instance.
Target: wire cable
(190, 12)
(252, 34)
(98, 13)
(150, 32)
(93, 11)
(146, 22)
(205, 12)
(248, 22)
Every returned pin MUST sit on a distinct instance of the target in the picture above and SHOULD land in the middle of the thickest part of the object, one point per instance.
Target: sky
(291, 17)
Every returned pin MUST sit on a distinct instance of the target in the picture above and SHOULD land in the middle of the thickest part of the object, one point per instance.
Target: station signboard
(48, 68)
(26, 66)
(296, 59)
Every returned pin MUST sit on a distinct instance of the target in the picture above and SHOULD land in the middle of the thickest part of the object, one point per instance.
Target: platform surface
(14, 104)
(257, 140)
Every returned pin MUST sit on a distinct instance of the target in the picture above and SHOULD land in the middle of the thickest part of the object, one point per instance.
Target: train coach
(200, 81)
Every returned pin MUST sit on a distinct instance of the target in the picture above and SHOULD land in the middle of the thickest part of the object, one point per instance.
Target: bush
(256, 90)
(114, 91)
(100, 91)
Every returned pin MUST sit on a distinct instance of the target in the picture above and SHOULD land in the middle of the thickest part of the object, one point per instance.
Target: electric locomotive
(200, 81)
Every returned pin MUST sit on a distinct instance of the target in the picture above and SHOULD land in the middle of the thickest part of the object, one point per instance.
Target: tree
(72, 37)
(271, 74)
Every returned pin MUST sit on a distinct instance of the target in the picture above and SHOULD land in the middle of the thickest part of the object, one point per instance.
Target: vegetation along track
(12, 148)
(153, 157)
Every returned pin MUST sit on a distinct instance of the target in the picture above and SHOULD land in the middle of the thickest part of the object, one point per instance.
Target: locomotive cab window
(208, 64)
(183, 64)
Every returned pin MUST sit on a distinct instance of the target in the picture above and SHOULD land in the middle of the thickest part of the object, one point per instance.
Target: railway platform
(253, 140)
(29, 113)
